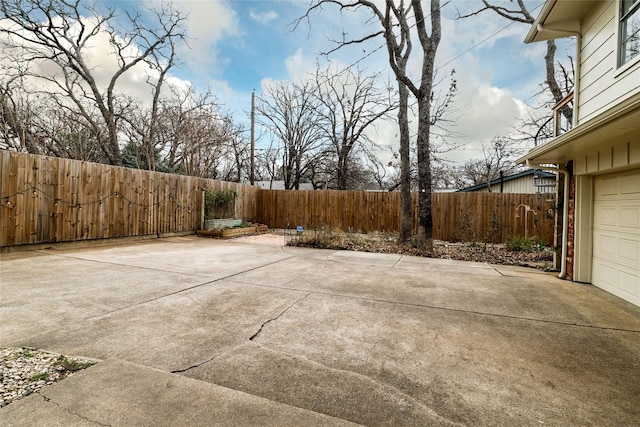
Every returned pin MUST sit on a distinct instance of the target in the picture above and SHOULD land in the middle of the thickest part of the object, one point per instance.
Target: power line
(489, 37)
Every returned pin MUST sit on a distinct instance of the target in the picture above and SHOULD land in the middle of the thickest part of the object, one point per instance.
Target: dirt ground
(489, 253)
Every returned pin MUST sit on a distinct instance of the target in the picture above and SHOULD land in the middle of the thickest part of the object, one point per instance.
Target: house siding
(522, 185)
(602, 85)
(611, 157)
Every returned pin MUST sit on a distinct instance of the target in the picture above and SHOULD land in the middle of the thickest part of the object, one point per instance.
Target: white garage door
(616, 234)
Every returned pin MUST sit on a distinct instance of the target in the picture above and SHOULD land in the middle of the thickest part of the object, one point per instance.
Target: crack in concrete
(396, 263)
(254, 336)
(453, 310)
(197, 365)
(64, 408)
(383, 385)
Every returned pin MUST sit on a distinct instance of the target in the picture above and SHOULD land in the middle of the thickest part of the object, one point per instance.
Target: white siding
(610, 156)
(522, 185)
(602, 85)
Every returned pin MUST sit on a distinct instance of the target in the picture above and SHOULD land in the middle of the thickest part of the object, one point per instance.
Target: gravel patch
(24, 371)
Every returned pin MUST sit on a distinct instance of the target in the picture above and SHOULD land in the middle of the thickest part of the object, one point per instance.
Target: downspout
(565, 215)
(576, 81)
(576, 107)
(565, 223)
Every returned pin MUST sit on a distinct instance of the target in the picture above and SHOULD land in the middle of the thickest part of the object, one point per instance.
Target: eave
(619, 124)
(558, 19)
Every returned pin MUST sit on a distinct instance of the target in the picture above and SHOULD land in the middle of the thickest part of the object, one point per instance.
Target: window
(629, 30)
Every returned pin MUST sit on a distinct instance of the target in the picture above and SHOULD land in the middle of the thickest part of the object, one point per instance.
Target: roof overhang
(619, 124)
(558, 19)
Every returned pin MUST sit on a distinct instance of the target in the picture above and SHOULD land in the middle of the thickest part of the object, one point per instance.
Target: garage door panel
(629, 252)
(616, 234)
(620, 281)
(630, 217)
(607, 187)
(629, 284)
(630, 184)
(605, 246)
(605, 216)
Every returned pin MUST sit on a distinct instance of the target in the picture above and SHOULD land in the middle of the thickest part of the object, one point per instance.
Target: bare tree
(290, 112)
(195, 138)
(57, 35)
(37, 124)
(15, 120)
(521, 14)
(396, 28)
(498, 159)
(267, 164)
(351, 103)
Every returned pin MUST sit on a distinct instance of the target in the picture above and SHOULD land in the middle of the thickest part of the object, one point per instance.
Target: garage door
(616, 234)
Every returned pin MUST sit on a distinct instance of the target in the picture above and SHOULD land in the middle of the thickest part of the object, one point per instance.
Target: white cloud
(298, 65)
(99, 56)
(263, 17)
(207, 24)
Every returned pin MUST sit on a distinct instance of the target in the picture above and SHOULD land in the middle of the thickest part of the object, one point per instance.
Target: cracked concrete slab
(365, 338)
(303, 382)
(116, 393)
(172, 332)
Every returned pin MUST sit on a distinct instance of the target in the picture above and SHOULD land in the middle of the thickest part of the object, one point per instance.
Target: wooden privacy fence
(456, 216)
(47, 199)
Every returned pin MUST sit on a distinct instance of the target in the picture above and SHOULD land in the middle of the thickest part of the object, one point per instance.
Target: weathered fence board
(48, 199)
(456, 216)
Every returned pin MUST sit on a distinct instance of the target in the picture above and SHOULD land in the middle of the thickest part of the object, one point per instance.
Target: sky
(238, 46)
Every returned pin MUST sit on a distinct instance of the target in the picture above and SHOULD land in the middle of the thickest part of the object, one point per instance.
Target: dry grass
(326, 238)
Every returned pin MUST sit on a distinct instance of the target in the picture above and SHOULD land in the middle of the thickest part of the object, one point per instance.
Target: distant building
(531, 181)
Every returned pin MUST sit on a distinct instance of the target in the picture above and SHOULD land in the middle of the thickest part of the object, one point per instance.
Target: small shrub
(466, 229)
(219, 203)
(519, 243)
(320, 238)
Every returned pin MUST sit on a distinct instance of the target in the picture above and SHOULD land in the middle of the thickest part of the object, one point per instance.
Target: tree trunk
(557, 93)
(425, 215)
(406, 213)
(342, 171)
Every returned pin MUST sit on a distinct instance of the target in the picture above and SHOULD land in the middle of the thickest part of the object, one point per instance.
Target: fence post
(204, 191)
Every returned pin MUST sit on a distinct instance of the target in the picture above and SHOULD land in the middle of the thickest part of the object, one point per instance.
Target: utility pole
(253, 142)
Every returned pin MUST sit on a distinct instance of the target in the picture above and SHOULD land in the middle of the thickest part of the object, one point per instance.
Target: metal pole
(253, 143)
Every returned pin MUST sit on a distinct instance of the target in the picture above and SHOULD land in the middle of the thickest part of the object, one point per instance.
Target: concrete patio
(196, 331)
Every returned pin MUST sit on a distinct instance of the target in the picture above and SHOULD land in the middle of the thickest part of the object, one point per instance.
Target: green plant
(27, 354)
(519, 243)
(219, 203)
(38, 377)
(70, 365)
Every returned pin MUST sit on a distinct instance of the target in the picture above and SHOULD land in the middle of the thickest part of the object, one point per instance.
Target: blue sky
(237, 46)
